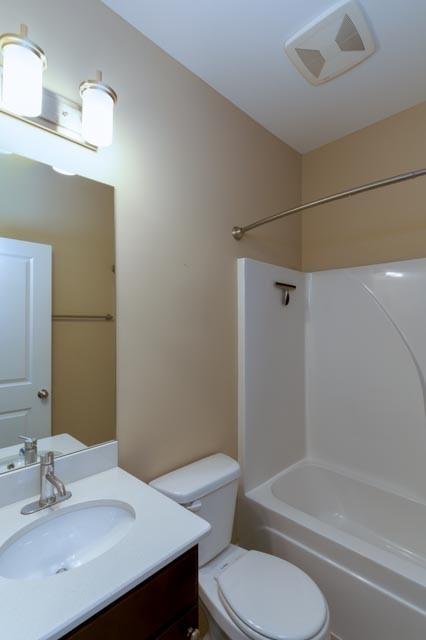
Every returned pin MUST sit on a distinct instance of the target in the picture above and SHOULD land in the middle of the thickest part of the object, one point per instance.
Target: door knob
(193, 634)
(43, 394)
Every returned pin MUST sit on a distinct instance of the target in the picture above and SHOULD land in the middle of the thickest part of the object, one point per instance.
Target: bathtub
(364, 545)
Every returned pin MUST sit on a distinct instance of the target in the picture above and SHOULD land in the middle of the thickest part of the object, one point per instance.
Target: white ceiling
(236, 46)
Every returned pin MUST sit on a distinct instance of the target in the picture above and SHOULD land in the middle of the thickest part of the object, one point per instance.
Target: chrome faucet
(29, 450)
(52, 489)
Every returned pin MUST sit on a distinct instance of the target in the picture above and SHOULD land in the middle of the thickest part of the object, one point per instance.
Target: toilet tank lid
(197, 479)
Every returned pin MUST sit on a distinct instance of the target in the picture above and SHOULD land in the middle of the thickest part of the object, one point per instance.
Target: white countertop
(47, 608)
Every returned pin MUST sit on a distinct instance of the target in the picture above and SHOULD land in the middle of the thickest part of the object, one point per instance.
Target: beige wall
(199, 166)
(76, 217)
(187, 165)
(379, 226)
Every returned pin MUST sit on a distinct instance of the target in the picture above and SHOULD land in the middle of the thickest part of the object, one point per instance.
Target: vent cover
(332, 44)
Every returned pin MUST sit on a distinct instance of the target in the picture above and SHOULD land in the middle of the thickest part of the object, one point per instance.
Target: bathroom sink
(65, 539)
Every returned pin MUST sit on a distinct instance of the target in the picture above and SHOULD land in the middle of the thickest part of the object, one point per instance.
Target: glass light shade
(97, 117)
(22, 89)
(63, 172)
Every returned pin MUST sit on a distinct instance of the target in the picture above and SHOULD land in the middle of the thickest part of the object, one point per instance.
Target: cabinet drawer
(150, 608)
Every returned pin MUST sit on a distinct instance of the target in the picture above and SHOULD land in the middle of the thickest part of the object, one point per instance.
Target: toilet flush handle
(195, 506)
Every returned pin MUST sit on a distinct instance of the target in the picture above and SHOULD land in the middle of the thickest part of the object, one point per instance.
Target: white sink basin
(65, 539)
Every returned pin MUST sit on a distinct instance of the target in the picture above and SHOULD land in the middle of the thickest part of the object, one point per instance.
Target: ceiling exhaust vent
(332, 44)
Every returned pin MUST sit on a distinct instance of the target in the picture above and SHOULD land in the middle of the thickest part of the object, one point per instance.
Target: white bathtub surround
(271, 372)
(161, 531)
(352, 513)
(366, 366)
(338, 375)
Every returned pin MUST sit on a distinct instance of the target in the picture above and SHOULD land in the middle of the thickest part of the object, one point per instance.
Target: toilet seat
(267, 597)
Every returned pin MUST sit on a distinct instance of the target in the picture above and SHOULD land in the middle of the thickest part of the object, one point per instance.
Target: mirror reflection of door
(25, 339)
(57, 312)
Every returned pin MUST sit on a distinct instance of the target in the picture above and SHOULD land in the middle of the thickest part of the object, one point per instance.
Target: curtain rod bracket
(237, 233)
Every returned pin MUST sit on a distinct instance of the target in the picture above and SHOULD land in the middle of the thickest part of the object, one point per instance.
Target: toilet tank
(208, 488)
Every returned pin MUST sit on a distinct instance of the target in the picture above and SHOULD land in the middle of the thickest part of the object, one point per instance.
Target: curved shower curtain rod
(238, 232)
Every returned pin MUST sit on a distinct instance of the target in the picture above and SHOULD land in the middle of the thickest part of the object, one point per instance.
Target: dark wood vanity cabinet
(165, 607)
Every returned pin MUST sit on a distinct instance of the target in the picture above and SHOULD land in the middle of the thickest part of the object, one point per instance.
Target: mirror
(57, 312)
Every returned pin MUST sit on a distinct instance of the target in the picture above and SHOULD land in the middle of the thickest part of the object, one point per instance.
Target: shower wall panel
(271, 370)
(366, 367)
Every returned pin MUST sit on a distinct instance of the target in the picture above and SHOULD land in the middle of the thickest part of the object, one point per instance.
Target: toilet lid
(272, 597)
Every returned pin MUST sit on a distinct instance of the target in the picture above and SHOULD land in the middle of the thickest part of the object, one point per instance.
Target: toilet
(245, 594)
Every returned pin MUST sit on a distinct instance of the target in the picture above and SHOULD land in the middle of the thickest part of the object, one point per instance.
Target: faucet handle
(28, 439)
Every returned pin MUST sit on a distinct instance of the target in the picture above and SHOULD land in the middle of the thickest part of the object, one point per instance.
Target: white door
(25, 339)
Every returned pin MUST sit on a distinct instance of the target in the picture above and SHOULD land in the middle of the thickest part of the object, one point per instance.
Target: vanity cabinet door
(164, 606)
(183, 628)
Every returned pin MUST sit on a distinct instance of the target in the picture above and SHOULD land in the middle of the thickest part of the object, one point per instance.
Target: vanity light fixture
(98, 100)
(88, 124)
(23, 66)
